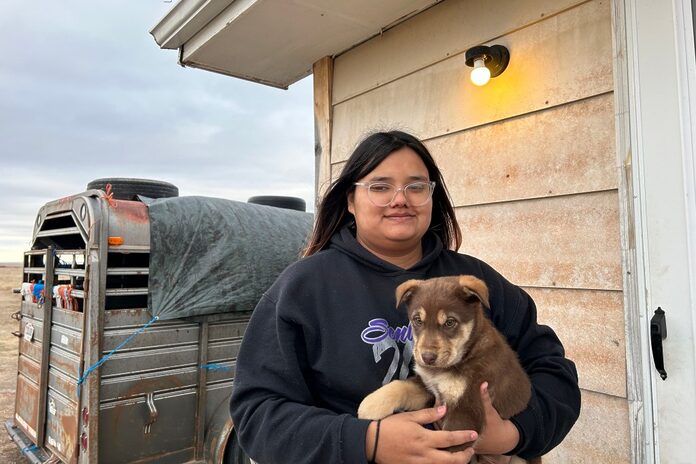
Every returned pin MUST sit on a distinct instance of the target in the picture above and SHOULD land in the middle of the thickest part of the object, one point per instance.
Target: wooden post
(323, 115)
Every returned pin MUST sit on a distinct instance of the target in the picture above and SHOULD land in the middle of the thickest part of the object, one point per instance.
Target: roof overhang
(274, 42)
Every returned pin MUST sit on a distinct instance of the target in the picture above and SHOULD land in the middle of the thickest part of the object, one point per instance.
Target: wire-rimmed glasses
(383, 193)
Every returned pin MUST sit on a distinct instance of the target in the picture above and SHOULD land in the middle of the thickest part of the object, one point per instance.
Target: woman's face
(398, 227)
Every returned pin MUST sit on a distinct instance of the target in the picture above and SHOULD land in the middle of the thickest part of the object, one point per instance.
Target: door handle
(658, 332)
(150, 401)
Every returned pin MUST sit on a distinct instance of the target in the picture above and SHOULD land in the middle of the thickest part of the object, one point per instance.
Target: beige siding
(530, 161)
(590, 323)
(567, 242)
(446, 30)
(601, 435)
(565, 58)
(563, 150)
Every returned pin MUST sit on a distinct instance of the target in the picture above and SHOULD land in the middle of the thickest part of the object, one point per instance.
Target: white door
(662, 81)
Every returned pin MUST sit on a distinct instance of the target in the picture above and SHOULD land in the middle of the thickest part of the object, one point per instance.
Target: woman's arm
(272, 406)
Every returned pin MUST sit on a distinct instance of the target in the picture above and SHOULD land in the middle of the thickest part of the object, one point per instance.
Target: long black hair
(332, 213)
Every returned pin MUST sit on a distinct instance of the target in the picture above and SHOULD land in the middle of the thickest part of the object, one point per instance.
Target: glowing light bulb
(480, 75)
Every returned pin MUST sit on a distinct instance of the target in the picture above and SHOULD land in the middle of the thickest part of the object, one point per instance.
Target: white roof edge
(195, 27)
(208, 31)
(277, 85)
(184, 20)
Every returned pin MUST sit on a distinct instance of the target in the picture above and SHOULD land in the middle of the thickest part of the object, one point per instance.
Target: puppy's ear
(405, 291)
(475, 287)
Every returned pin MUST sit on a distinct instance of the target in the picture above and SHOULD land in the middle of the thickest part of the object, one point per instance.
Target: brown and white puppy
(456, 349)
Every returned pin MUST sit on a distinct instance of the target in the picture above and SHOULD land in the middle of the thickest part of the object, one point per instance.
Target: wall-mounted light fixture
(487, 62)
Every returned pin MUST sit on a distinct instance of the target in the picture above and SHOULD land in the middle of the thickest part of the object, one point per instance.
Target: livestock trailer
(103, 376)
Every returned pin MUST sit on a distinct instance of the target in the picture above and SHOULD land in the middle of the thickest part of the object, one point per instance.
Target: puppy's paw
(396, 396)
(378, 405)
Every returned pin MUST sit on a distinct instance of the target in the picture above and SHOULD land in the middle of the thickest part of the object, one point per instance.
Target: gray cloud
(86, 93)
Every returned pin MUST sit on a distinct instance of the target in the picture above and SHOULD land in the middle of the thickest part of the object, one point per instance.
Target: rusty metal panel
(69, 319)
(65, 362)
(567, 242)
(130, 221)
(37, 336)
(29, 368)
(555, 61)
(224, 339)
(223, 347)
(61, 425)
(158, 335)
(132, 385)
(564, 150)
(95, 302)
(600, 435)
(63, 384)
(66, 339)
(32, 311)
(218, 397)
(161, 358)
(590, 323)
(443, 31)
(26, 406)
(126, 317)
(122, 423)
(227, 330)
(225, 373)
(202, 390)
(64, 367)
(223, 351)
(62, 392)
(30, 395)
(29, 349)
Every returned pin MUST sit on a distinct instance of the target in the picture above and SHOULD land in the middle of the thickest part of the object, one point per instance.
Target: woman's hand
(404, 440)
(500, 435)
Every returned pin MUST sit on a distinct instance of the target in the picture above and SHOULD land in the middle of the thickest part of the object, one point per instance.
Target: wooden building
(572, 172)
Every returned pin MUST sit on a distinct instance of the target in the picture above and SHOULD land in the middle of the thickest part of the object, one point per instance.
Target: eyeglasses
(382, 193)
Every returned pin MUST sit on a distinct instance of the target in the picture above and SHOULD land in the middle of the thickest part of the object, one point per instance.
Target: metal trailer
(151, 401)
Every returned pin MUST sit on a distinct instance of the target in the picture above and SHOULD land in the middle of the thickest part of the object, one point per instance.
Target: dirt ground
(10, 277)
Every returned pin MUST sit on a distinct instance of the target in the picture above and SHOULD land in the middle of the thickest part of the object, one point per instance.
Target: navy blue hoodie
(328, 332)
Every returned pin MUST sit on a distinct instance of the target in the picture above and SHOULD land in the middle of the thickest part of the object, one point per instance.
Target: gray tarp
(209, 255)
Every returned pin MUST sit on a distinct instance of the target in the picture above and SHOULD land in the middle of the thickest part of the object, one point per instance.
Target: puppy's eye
(449, 323)
(417, 321)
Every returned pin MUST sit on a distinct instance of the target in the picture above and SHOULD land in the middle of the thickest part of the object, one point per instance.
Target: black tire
(294, 203)
(233, 452)
(125, 188)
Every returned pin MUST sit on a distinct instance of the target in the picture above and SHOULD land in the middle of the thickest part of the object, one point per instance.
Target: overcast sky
(85, 92)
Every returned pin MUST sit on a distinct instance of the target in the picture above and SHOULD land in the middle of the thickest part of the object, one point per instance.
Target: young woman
(328, 333)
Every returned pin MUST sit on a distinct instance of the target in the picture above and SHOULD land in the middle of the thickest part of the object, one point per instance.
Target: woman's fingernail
(485, 386)
(441, 409)
(473, 435)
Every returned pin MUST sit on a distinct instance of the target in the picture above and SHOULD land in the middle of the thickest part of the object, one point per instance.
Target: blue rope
(29, 449)
(111, 353)
(215, 366)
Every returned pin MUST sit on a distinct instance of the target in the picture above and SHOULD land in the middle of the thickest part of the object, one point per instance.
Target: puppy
(456, 349)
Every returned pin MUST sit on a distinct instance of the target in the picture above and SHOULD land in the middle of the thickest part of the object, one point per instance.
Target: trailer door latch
(658, 332)
(150, 400)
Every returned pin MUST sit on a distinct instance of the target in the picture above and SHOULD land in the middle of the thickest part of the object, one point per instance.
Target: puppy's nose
(429, 357)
